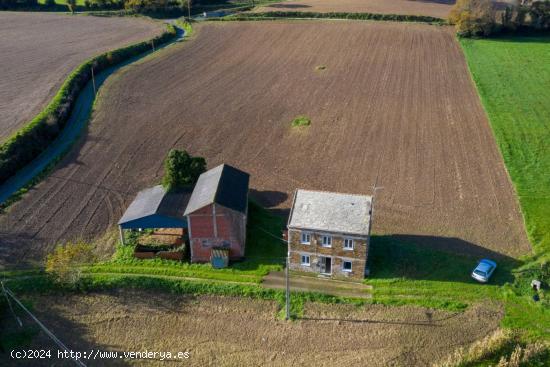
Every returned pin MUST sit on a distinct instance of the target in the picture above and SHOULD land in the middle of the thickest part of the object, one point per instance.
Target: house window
(306, 238)
(305, 260)
(346, 266)
(348, 244)
(327, 241)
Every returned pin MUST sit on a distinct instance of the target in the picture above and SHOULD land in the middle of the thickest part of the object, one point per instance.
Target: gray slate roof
(331, 212)
(155, 202)
(224, 185)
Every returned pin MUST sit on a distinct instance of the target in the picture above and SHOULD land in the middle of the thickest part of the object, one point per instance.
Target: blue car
(484, 270)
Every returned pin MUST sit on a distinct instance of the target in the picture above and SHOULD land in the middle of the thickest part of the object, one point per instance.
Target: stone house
(329, 233)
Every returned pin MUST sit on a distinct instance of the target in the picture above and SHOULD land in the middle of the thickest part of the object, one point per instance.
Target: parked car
(484, 270)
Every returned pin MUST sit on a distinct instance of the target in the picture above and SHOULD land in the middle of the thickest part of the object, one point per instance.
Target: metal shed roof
(331, 212)
(155, 208)
(224, 185)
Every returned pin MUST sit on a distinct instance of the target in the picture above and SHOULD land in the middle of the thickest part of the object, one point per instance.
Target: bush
(301, 121)
(66, 261)
(155, 6)
(181, 170)
(34, 138)
(473, 17)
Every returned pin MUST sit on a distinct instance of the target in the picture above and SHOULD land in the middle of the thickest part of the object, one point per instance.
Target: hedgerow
(29, 142)
(335, 15)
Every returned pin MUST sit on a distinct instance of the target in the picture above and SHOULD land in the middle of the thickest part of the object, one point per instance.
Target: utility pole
(287, 316)
(189, 10)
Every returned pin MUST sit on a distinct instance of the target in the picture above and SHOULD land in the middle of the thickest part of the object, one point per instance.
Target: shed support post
(121, 231)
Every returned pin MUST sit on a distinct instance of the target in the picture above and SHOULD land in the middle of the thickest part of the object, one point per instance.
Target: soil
(394, 106)
(39, 50)
(433, 8)
(227, 331)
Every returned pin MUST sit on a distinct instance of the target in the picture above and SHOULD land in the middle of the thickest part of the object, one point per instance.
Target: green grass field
(513, 79)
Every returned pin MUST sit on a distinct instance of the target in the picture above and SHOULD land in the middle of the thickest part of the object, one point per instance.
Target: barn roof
(224, 185)
(331, 212)
(155, 208)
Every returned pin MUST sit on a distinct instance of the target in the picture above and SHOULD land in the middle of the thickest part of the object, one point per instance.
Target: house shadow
(448, 259)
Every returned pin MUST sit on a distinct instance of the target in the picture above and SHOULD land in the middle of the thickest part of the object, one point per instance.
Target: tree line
(138, 6)
(474, 18)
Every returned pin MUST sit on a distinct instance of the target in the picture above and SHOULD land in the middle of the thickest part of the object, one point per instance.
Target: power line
(10, 306)
(44, 328)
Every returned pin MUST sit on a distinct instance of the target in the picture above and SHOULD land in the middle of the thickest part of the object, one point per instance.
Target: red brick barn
(217, 213)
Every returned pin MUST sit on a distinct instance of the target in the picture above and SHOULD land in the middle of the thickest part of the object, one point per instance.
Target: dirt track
(395, 105)
(227, 331)
(39, 50)
(433, 8)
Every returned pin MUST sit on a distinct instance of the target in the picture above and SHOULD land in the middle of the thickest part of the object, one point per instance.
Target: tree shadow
(268, 198)
(435, 258)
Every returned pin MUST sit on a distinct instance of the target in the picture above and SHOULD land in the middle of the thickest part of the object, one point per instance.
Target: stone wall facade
(336, 252)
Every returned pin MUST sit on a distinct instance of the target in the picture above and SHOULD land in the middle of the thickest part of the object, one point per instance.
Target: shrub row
(33, 139)
(337, 15)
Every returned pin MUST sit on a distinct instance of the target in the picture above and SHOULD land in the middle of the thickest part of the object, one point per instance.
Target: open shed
(155, 208)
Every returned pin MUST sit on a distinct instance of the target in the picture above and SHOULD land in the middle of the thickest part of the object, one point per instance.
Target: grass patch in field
(301, 121)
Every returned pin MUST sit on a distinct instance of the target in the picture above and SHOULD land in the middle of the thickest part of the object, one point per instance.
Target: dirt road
(394, 104)
(39, 50)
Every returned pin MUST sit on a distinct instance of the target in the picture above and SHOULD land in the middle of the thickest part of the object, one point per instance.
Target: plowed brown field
(433, 8)
(226, 331)
(395, 105)
(39, 50)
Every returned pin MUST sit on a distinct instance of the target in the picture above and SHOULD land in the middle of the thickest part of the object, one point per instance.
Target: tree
(71, 4)
(65, 262)
(181, 170)
(473, 17)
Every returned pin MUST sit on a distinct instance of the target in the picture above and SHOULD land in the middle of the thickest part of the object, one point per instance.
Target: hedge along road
(39, 50)
(77, 121)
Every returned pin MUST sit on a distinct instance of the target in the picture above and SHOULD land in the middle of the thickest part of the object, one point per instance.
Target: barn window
(306, 238)
(348, 244)
(346, 266)
(327, 241)
(305, 260)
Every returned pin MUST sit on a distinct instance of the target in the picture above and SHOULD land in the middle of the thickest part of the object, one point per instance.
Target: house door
(326, 265)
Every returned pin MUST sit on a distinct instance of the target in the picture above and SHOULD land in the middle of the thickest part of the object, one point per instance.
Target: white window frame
(349, 240)
(329, 240)
(347, 270)
(302, 256)
(308, 234)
